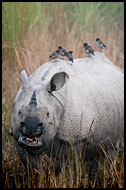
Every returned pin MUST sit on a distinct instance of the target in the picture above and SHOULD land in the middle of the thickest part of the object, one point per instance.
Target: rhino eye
(19, 113)
(40, 124)
(47, 114)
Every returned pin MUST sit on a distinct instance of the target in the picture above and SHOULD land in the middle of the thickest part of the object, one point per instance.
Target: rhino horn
(24, 79)
(33, 102)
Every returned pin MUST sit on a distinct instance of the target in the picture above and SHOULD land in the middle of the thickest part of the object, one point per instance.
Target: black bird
(62, 51)
(100, 44)
(54, 55)
(88, 49)
(69, 56)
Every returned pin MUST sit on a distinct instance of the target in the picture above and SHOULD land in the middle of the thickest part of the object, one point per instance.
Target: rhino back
(97, 92)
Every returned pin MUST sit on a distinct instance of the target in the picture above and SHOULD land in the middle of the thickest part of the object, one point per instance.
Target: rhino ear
(24, 78)
(57, 81)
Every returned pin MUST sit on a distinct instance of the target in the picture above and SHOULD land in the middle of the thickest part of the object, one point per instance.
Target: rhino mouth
(31, 142)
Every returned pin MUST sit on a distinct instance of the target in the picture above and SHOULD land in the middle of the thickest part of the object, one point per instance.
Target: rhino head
(37, 111)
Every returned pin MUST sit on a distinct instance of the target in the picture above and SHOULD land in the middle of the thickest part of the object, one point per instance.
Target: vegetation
(31, 31)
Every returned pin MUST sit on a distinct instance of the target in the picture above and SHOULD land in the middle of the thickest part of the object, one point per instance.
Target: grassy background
(31, 31)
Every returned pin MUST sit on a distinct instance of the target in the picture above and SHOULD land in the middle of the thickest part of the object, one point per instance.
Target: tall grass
(74, 173)
(97, 14)
(18, 17)
(30, 32)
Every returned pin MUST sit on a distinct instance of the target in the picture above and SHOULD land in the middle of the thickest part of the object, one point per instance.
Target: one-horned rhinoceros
(59, 103)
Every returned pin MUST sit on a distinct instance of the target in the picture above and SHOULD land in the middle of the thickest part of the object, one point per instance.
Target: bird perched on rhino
(88, 49)
(100, 44)
(69, 55)
(62, 51)
(54, 55)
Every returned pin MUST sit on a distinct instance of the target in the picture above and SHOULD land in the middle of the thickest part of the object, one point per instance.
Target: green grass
(101, 13)
(18, 17)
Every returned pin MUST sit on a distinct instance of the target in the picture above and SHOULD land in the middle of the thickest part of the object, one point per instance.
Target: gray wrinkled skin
(69, 97)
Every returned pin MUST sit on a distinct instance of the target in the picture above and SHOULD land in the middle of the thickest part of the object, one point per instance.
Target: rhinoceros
(61, 102)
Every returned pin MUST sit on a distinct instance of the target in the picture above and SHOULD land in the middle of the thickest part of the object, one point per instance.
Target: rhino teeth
(30, 140)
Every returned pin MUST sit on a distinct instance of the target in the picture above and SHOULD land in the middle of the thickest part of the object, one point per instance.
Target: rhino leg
(93, 169)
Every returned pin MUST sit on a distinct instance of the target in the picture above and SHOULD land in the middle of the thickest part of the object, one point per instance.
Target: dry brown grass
(70, 176)
(36, 48)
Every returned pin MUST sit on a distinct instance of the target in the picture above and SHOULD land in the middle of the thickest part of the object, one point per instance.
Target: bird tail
(93, 53)
(71, 59)
(105, 47)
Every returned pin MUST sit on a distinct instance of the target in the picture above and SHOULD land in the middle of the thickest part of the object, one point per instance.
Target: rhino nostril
(22, 123)
(40, 129)
(40, 125)
(24, 130)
